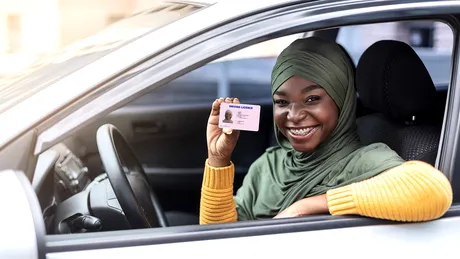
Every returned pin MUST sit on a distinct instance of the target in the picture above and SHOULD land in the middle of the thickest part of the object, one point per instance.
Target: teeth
(301, 132)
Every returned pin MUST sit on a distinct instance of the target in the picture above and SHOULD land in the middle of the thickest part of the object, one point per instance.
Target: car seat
(393, 82)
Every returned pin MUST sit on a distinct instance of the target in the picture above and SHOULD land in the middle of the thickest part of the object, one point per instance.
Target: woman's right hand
(221, 142)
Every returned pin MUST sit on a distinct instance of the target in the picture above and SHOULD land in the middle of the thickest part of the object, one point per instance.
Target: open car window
(169, 122)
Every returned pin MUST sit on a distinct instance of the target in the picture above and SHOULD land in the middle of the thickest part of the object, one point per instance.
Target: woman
(320, 165)
(228, 117)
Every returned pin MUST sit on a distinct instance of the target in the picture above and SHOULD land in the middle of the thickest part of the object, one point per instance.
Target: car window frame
(193, 233)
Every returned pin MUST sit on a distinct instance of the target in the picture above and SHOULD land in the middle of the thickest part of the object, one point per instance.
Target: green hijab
(282, 176)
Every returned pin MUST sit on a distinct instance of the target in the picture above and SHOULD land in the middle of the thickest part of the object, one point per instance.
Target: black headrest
(392, 79)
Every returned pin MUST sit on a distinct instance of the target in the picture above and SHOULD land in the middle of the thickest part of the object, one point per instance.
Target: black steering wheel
(128, 180)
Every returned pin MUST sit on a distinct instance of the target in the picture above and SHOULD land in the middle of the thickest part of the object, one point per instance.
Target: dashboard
(63, 185)
(59, 174)
(75, 197)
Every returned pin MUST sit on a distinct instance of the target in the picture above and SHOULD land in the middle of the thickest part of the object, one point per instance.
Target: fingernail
(227, 130)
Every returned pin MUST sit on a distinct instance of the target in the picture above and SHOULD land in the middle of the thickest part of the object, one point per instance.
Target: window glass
(433, 42)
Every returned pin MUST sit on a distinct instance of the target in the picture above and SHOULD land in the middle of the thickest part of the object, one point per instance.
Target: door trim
(141, 237)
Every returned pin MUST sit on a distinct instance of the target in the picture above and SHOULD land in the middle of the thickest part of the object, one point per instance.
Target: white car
(146, 85)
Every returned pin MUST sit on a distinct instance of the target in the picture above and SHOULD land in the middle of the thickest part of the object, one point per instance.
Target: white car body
(43, 119)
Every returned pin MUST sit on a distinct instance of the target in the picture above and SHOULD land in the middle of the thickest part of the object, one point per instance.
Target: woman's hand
(293, 211)
(221, 142)
(307, 206)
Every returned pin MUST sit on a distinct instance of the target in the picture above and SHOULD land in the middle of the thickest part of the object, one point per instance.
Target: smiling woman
(306, 116)
(320, 165)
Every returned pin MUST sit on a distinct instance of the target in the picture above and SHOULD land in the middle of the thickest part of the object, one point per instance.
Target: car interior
(166, 135)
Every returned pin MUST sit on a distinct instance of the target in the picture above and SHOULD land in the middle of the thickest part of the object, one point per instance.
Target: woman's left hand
(307, 206)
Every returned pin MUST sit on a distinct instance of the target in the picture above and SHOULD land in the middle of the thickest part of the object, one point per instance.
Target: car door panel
(433, 239)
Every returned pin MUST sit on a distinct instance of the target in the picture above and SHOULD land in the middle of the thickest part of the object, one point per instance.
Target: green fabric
(282, 176)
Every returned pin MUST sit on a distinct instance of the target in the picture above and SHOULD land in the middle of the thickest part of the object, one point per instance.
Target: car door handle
(148, 128)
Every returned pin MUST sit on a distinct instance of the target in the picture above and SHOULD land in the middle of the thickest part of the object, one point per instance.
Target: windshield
(17, 85)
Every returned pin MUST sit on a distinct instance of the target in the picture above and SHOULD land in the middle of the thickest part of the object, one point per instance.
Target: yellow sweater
(413, 191)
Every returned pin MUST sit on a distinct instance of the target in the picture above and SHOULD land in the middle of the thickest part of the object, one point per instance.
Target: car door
(274, 238)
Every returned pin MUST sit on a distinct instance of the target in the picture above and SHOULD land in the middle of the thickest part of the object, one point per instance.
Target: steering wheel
(128, 180)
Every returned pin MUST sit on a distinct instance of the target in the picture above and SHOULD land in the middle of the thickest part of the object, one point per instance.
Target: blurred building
(31, 28)
(43, 26)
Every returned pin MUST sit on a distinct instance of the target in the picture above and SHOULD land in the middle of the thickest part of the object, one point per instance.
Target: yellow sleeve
(217, 204)
(413, 191)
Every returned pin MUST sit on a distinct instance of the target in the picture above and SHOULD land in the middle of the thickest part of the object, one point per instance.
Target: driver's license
(239, 116)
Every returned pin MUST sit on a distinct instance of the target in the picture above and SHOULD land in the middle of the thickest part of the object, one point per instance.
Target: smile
(302, 133)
